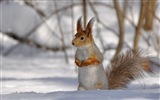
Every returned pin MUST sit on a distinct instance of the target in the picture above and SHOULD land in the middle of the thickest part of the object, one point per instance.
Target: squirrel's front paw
(78, 63)
(89, 62)
(83, 64)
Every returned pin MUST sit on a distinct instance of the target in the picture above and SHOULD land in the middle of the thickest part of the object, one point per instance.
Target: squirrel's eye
(82, 38)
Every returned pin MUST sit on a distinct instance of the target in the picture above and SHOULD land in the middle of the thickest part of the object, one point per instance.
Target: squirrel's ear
(89, 27)
(79, 25)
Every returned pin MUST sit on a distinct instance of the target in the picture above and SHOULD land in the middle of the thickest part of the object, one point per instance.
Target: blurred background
(36, 51)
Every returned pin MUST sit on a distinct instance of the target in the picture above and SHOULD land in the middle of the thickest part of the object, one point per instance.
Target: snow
(86, 95)
(46, 78)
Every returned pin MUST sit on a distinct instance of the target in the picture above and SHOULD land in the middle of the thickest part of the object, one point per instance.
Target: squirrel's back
(125, 68)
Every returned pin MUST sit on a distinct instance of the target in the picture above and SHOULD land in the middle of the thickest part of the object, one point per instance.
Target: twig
(98, 30)
(121, 26)
(10, 49)
(132, 22)
(134, 25)
(154, 15)
(62, 33)
(140, 23)
(156, 42)
(102, 4)
(151, 5)
(109, 48)
(54, 12)
(84, 12)
(42, 22)
(40, 12)
(105, 26)
(108, 28)
(72, 17)
(42, 15)
(30, 42)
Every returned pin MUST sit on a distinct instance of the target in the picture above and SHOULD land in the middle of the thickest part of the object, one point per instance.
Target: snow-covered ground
(86, 95)
(48, 78)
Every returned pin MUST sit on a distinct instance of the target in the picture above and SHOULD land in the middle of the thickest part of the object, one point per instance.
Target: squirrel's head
(83, 37)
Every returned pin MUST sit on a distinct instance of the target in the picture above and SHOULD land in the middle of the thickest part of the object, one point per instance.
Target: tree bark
(120, 17)
(140, 24)
(149, 15)
(85, 12)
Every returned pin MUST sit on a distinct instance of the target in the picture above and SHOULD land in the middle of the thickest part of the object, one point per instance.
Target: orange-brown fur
(90, 61)
(146, 66)
(77, 62)
(79, 43)
(87, 34)
(125, 68)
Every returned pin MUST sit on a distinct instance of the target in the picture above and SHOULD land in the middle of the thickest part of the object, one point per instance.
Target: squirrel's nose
(72, 43)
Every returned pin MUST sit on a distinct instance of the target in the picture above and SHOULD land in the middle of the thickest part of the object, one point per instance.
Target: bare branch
(121, 26)
(42, 15)
(40, 12)
(72, 17)
(140, 24)
(98, 30)
(105, 26)
(54, 12)
(85, 12)
(102, 4)
(149, 16)
(43, 22)
(31, 42)
(144, 38)
(62, 33)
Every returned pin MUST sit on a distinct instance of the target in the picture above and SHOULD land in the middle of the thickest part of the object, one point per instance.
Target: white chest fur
(82, 54)
(92, 75)
(89, 77)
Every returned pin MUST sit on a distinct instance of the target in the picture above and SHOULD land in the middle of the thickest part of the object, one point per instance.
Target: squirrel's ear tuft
(79, 24)
(89, 27)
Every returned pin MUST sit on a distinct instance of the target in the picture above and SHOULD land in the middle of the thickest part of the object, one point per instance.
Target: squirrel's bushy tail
(125, 68)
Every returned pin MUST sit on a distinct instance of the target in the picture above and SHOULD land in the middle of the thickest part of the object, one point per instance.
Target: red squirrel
(91, 74)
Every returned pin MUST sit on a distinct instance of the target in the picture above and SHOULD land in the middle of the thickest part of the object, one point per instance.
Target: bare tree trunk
(62, 34)
(120, 17)
(140, 24)
(85, 12)
(149, 15)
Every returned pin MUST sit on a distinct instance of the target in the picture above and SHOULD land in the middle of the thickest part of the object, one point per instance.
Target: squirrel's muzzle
(72, 43)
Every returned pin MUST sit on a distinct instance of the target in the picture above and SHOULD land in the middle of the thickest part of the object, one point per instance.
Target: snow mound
(86, 95)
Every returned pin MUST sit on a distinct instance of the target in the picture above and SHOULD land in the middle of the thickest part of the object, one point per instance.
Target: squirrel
(91, 74)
